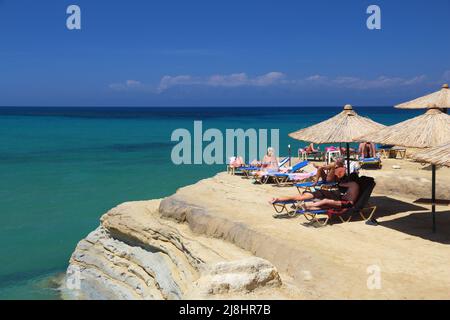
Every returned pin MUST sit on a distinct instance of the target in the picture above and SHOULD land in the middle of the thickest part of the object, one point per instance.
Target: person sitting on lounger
(347, 200)
(332, 172)
(311, 149)
(367, 150)
(269, 163)
(326, 198)
(236, 162)
(308, 150)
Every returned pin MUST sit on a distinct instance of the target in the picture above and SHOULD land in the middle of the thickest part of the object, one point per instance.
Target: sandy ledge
(217, 239)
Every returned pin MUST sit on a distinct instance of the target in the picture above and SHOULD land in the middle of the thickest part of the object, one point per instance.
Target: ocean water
(62, 168)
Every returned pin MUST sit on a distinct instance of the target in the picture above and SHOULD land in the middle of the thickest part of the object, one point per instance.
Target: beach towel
(302, 175)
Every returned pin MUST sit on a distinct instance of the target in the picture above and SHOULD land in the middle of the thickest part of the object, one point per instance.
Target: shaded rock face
(105, 268)
(134, 254)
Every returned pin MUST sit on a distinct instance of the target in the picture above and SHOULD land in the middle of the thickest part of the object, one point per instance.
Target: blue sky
(221, 53)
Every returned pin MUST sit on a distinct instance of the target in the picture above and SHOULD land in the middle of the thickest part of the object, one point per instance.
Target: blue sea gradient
(62, 168)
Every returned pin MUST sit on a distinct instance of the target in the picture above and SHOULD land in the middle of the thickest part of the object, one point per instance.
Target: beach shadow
(420, 225)
(387, 206)
(281, 186)
(281, 216)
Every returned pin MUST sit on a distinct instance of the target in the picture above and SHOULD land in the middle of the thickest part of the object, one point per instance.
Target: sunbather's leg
(323, 204)
(373, 150)
(321, 174)
(302, 197)
(259, 173)
(361, 149)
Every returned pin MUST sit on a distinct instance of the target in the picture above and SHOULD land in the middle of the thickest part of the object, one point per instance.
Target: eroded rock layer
(136, 254)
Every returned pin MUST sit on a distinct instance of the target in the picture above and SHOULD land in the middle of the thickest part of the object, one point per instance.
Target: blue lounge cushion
(370, 160)
(280, 174)
(299, 165)
(286, 202)
(312, 211)
(248, 168)
(311, 184)
(295, 168)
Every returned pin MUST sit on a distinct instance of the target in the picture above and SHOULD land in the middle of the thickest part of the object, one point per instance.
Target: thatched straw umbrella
(437, 156)
(428, 130)
(439, 98)
(342, 128)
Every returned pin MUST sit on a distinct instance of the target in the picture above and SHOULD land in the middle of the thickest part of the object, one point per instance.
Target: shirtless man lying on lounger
(326, 199)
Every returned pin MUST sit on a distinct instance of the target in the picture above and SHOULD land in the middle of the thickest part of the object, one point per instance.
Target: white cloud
(350, 82)
(232, 80)
(316, 77)
(129, 84)
(133, 83)
(169, 81)
(271, 79)
(218, 80)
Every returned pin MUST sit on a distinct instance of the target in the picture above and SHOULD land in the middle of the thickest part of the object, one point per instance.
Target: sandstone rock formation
(134, 254)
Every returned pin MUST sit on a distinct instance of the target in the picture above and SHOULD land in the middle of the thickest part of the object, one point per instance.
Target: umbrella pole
(289, 152)
(433, 195)
(348, 159)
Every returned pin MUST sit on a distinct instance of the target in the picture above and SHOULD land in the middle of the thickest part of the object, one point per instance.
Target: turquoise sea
(62, 168)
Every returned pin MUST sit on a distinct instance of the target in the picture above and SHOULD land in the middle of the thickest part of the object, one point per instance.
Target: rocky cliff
(137, 253)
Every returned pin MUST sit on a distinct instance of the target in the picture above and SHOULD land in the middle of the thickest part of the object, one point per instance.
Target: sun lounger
(281, 178)
(396, 151)
(247, 170)
(298, 177)
(308, 186)
(283, 162)
(390, 151)
(317, 155)
(264, 178)
(361, 207)
(370, 162)
(385, 150)
(289, 206)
